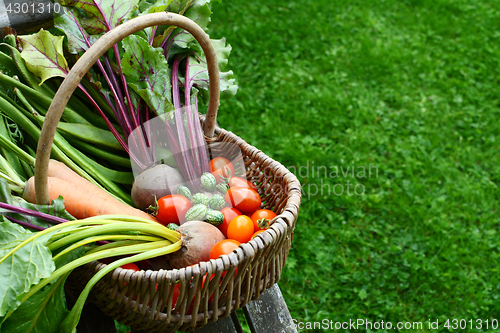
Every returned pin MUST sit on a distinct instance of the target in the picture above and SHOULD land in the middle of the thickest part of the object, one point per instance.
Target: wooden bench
(268, 313)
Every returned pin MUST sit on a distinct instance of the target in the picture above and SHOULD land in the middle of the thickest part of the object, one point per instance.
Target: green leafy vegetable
(198, 71)
(56, 208)
(104, 15)
(46, 309)
(68, 20)
(24, 268)
(44, 55)
(147, 73)
(41, 313)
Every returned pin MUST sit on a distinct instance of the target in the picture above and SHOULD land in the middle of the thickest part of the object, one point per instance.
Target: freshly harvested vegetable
(261, 218)
(240, 182)
(256, 233)
(219, 167)
(223, 247)
(184, 191)
(214, 217)
(57, 251)
(172, 209)
(208, 181)
(131, 266)
(196, 213)
(222, 188)
(172, 226)
(240, 228)
(62, 171)
(200, 199)
(118, 95)
(81, 203)
(229, 214)
(158, 181)
(217, 202)
(198, 239)
(243, 199)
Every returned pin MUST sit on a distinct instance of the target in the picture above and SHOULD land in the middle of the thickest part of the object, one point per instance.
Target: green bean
(100, 153)
(91, 134)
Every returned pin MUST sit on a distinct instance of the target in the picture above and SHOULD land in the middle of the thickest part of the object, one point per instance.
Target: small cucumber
(196, 213)
(172, 226)
(214, 217)
(184, 191)
(200, 199)
(208, 181)
(217, 202)
(222, 188)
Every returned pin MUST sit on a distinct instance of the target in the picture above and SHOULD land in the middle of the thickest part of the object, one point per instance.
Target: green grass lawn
(408, 90)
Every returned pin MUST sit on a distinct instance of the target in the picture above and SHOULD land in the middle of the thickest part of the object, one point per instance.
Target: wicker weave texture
(143, 300)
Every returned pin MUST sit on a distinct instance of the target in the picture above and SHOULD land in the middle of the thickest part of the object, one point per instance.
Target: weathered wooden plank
(269, 313)
(220, 326)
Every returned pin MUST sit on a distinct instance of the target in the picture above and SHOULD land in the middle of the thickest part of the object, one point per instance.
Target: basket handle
(90, 57)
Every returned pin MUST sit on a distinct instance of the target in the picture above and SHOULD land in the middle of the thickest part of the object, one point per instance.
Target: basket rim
(264, 239)
(260, 248)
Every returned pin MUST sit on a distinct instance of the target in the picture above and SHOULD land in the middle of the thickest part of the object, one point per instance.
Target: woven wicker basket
(144, 302)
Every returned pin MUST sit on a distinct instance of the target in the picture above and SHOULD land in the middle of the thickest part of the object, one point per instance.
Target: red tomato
(190, 310)
(261, 218)
(256, 233)
(240, 182)
(229, 214)
(176, 291)
(131, 266)
(240, 228)
(173, 209)
(225, 246)
(217, 167)
(243, 199)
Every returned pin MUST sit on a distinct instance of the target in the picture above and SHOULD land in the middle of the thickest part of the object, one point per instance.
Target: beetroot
(159, 181)
(198, 238)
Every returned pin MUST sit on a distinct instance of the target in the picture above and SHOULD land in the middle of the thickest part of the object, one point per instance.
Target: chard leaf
(26, 267)
(197, 10)
(56, 208)
(68, 20)
(43, 53)
(147, 73)
(145, 4)
(46, 309)
(146, 7)
(41, 313)
(103, 15)
(198, 71)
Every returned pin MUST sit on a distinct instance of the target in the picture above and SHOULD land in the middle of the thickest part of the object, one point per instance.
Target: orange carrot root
(80, 202)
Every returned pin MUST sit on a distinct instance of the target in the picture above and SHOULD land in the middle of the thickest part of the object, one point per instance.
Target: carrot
(81, 203)
(62, 171)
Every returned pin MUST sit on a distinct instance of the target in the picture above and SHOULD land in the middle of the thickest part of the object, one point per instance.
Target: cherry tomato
(243, 199)
(256, 233)
(240, 182)
(261, 218)
(176, 291)
(190, 310)
(217, 167)
(225, 246)
(229, 214)
(240, 228)
(173, 209)
(131, 266)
